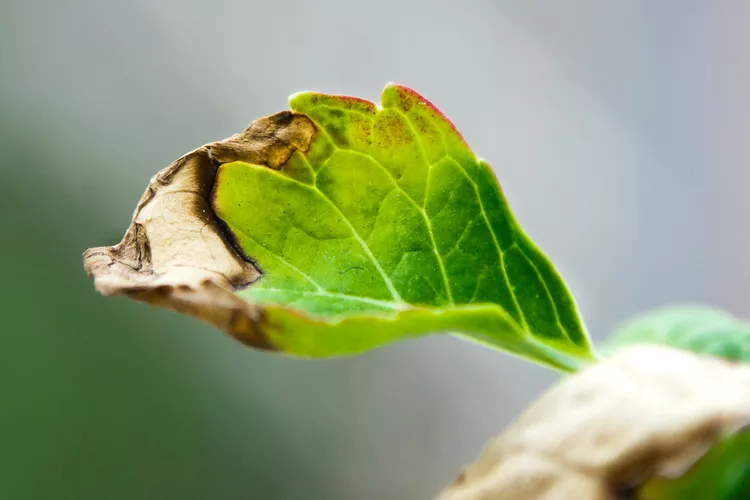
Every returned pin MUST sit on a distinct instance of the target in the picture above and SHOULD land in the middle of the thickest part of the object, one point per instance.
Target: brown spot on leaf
(176, 254)
(269, 141)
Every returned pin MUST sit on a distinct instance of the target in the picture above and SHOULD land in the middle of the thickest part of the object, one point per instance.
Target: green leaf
(700, 329)
(388, 227)
(722, 474)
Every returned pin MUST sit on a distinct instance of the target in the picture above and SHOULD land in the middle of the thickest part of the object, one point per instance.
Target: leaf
(619, 429)
(357, 226)
(722, 474)
(695, 328)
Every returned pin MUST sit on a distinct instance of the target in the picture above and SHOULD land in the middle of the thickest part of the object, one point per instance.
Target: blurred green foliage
(103, 398)
(700, 329)
(723, 474)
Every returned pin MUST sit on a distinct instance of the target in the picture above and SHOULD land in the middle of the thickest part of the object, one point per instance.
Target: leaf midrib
(395, 306)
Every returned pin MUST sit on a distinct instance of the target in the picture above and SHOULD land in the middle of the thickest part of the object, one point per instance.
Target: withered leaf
(341, 226)
(646, 414)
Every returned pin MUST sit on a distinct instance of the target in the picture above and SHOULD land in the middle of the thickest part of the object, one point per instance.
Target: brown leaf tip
(176, 254)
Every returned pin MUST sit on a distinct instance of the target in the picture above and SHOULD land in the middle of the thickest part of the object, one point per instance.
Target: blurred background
(618, 131)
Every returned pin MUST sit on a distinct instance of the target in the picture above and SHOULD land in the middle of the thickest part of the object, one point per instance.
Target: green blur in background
(100, 402)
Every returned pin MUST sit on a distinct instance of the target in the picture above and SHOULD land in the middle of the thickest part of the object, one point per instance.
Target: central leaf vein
(396, 306)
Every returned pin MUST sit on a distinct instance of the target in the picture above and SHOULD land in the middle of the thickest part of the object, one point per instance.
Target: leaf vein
(423, 211)
(284, 261)
(356, 235)
(520, 311)
(324, 293)
(546, 288)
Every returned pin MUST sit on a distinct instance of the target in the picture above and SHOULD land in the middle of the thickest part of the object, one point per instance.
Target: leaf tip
(405, 98)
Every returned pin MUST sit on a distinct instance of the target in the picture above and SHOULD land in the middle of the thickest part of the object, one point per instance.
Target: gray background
(617, 129)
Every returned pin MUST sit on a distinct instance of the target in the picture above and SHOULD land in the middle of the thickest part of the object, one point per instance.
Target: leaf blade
(700, 329)
(403, 216)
